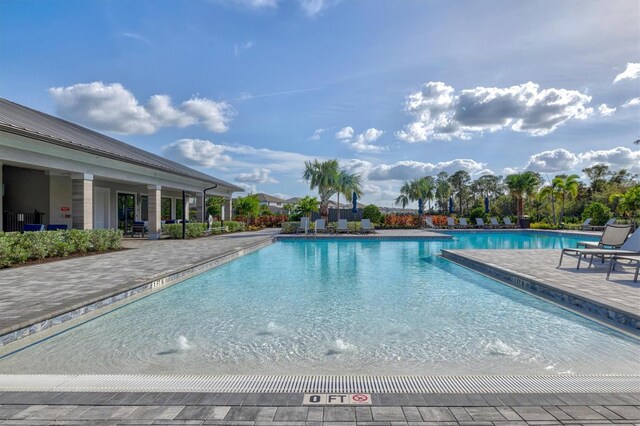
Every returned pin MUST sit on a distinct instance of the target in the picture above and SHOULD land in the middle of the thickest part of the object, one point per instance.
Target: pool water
(341, 307)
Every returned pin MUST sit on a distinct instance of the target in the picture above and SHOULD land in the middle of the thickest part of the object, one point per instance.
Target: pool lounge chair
(627, 260)
(304, 225)
(343, 226)
(508, 223)
(480, 223)
(631, 247)
(428, 223)
(463, 223)
(586, 225)
(451, 223)
(32, 227)
(600, 228)
(320, 226)
(612, 237)
(494, 223)
(366, 226)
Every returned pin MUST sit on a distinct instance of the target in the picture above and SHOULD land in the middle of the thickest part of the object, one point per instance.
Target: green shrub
(290, 227)
(477, 212)
(193, 230)
(372, 212)
(542, 225)
(598, 212)
(234, 226)
(21, 247)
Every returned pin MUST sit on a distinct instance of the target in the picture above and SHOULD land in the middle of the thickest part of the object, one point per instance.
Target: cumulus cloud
(257, 176)
(111, 107)
(509, 171)
(620, 157)
(345, 133)
(316, 135)
(552, 161)
(402, 170)
(196, 152)
(441, 114)
(363, 142)
(630, 73)
(631, 103)
(605, 111)
(312, 7)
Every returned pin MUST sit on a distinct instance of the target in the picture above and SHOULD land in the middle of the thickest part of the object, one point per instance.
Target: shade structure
(450, 204)
(486, 204)
(354, 199)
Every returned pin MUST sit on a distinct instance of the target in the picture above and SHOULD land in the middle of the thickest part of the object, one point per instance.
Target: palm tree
(567, 187)
(430, 189)
(415, 190)
(347, 183)
(443, 190)
(459, 183)
(323, 176)
(522, 185)
(637, 141)
(550, 192)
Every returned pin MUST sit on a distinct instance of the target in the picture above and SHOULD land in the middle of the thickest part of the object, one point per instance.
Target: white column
(1, 198)
(154, 192)
(228, 209)
(82, 201)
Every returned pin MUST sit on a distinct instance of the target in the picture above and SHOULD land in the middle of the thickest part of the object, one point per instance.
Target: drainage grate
(321, 384)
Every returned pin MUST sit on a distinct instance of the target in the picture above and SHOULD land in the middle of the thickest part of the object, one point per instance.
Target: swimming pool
(341, 307)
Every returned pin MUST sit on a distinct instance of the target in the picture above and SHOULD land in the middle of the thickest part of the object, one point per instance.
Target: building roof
(269, 198)
(20, 120)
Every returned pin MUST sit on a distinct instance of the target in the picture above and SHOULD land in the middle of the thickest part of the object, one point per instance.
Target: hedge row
(195, 230)
(18, 248)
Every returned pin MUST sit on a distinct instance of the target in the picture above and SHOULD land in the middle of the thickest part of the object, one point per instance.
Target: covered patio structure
(54, 172)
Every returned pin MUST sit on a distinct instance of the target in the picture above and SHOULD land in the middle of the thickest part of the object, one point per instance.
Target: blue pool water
(341, 307)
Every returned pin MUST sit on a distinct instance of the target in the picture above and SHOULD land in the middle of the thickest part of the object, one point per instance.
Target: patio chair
(138, 227)
(480, 223)
(585, 226)
(428, 223)
(451, 223)
(494, 223)
(628, 260)
(508, 223)
(304, 225)
(320, 226)
(32, 227)
(342, 226)
(600, 228)
(612, 237)
(631, 247)
(463, 223)
(366, 226)
(54, 227)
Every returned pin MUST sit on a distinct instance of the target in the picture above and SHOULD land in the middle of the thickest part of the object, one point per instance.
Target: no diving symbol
(359, 398)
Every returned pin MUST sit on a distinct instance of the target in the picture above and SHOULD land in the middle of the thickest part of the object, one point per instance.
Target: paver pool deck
(38, 291)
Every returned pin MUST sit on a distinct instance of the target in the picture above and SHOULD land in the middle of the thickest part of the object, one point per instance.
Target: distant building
(270, 200)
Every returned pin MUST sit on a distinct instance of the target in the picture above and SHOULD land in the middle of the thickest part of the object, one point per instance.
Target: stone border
(364, 237)
(101, 305)
(626, 322)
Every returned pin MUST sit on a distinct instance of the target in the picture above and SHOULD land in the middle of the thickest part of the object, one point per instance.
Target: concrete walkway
(38, 292)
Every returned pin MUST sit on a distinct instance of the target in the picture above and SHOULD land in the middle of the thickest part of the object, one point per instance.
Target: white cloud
(345, 133)
(485, 172)
(509, 171)
(312, 7)
(552, 161)
(631, 103)
(196, 152)
(248, 187)
(402, 170)
(316, 135)
(620, 157)
(111, 107)
(239, 48)
(441, 114)
(605, 111)
(630, 73)
(257, 176)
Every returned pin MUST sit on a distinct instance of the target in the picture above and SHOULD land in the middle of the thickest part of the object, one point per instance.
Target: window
(179, 209)
(165, 208)
(144, 208)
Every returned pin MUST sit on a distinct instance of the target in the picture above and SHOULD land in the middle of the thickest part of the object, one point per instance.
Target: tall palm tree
(415, 190)
(567, 187)
(430, 189)
(522, 185)
(346, 184)
(550, 192)
(443, 192)
(323, 177)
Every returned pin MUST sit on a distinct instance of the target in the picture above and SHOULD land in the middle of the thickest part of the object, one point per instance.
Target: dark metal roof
(20, 120)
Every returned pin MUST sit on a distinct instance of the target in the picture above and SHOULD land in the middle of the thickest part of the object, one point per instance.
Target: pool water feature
(341, 307)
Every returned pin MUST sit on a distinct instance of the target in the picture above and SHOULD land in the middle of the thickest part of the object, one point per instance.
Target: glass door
(126, 212)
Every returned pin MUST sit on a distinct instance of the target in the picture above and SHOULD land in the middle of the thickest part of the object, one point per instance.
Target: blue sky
(394, 90)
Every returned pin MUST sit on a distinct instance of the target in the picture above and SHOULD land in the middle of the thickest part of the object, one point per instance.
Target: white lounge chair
(320, 226)
(495, 223)
(428, 223)
(585, 226)
(480, 223)
(304, 225)
(342, 226)
(366, 226)
(451, 223)
(508, 223)
(631, 247)
(463, 223)
(628, 260)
